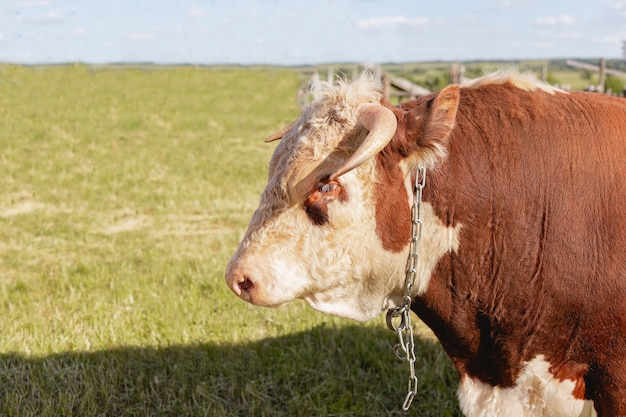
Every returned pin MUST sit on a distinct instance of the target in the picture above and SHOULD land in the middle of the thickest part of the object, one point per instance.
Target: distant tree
(613, 83)
(552, 80)
(618, 64)
(558, 65)
(474, 72)
(435, 82)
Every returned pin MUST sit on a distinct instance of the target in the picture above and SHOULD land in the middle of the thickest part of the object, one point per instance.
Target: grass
(124, 191)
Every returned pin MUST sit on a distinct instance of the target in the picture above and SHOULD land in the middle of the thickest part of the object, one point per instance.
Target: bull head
(317, 232)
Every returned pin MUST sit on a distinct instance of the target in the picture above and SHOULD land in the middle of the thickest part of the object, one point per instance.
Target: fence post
(602, 78)
(386, 87)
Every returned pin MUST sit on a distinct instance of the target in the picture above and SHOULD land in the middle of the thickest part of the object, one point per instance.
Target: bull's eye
(316, 203)
(326, 188)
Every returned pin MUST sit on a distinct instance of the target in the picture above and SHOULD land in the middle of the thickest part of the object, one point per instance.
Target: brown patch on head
(316, 203)
(393, 216)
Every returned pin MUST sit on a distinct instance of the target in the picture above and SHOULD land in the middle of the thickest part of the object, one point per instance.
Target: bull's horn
(282, 132)
(382, 124)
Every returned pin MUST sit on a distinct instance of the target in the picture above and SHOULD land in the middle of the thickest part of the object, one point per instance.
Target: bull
(522, 256)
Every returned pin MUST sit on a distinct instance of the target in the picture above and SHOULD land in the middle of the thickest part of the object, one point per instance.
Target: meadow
(123, 193)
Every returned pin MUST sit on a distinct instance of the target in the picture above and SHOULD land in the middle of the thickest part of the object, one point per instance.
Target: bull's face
(314, 235)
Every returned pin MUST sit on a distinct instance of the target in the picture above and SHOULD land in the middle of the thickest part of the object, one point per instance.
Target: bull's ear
(442, 119)
(282, 132)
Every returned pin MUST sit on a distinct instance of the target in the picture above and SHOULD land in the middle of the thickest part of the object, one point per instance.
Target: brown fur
(393, 220)
(538, 183)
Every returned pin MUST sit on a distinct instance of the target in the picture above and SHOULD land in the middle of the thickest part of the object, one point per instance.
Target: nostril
(245, 285)
(240, 283)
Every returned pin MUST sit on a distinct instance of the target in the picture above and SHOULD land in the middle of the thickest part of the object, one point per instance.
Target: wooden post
(386, 87)
(455, 73)
(602, 78)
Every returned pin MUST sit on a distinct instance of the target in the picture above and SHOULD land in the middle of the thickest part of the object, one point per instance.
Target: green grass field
(124, 192)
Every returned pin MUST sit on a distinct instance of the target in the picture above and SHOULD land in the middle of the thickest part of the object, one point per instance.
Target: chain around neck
(405, 348)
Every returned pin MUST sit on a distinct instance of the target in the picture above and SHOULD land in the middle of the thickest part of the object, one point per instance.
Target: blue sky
(291, 32)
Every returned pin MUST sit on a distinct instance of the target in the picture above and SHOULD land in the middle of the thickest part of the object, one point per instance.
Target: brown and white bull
(522, 260)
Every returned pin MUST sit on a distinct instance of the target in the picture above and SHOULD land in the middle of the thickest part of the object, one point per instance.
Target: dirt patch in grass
(18, 204)
(126, 224)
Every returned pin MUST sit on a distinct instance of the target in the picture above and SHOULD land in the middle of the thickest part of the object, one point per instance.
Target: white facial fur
(340, 268)
(336, 268)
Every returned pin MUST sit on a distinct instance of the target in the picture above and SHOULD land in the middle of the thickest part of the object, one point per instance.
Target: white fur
(536, 394)
(527, 81)
(340, 268)
(436, 241)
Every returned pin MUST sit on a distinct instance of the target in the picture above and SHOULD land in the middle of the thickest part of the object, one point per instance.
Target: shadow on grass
(346, 371)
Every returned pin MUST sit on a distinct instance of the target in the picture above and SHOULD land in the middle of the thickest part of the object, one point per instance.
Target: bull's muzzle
(240, 283)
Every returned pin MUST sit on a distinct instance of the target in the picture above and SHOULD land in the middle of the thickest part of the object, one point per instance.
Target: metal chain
(405, 348)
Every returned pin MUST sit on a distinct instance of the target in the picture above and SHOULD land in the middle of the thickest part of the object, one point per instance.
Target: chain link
(405, 348)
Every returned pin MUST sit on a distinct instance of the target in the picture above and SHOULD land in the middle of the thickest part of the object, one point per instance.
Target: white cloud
(561, 20)
(619, 5)
(508, 5)
(51, 17)
(611, 39)
(392, 21)
(79, 31)
(196, 13)
(617, 9)
(35, 3)
(142, 36)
